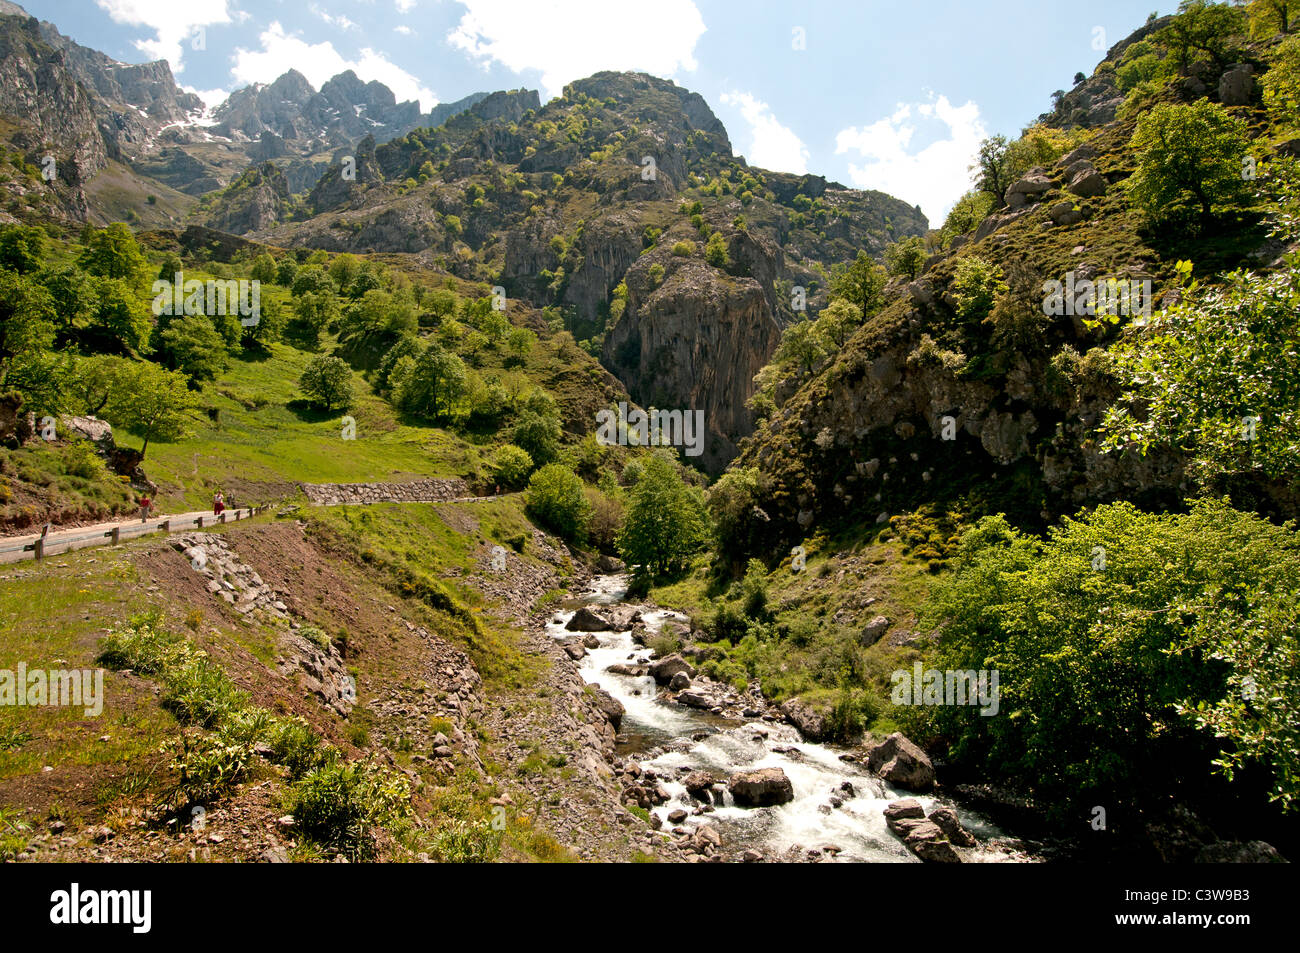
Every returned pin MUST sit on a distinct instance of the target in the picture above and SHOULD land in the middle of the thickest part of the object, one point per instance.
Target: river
(826, 816)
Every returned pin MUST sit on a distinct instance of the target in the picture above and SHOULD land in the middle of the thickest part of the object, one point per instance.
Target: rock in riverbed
(761, 788)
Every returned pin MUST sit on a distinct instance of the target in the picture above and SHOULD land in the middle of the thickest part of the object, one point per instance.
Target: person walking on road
(218, 504)
(146, 505)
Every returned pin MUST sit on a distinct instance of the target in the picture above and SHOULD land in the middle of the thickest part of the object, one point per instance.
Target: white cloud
(320, 61)
(404, 6)
(211, 97)
(934, 176)
(404, 30)
(569, 39)
(773, 146)
(174, 24)
(340, 21)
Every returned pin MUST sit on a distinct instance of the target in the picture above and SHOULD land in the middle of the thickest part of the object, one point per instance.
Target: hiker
(146, 505)
(218, 504)
(230, 503)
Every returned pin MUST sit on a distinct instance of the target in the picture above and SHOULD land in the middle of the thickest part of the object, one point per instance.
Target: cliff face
(257, 200)
(55, 115)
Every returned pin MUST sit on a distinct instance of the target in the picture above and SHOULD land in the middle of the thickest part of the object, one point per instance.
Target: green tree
(263, 269)
(994, 167)
(22, 248)
(665, 522)
(520, 343)
(1115, 640)
(976, 284)
(971, 209)
(190, 344)
(1216, 376)
(906, 259)
(715, 251)
(556, 499)
(860, 283)
(327, 383)
(313, 313)
(836, 322)
(150, 402)
(1188, 152)
(434, 384)
(112, 252)
(1212, 29)
(802, 347)
(512, 466)
(27, 319)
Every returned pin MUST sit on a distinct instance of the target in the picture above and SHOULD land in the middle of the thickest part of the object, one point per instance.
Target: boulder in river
(679, 681)
(665, 668)
(900, 762)
(926, 839)
(699, 784)
(610, 706)
(810, 722)
(588, 619)
(946, 820)
(761, 788)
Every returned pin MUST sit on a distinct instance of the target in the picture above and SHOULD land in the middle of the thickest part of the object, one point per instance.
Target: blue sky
(888, 95)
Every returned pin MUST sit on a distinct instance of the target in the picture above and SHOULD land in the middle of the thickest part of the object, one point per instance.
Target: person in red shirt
(146, 505)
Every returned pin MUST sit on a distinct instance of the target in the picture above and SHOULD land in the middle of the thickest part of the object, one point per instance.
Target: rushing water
(658, 733)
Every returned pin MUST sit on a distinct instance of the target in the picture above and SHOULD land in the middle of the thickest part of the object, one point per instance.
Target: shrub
(975, 285)
(683, 249)
(512, 466)
(198, 692)
(339, 805)
(556, 498)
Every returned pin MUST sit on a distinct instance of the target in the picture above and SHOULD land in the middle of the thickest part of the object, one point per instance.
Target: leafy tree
(22, 247)
(1281, 84)
(327, 383)
(121, 319)
(512, 466)
(975, 285)
(286, 272)
(732, 503)
(906, 259)
(860, 283)
(557, 500)
(151, 402)
(312, 280)
(435, 381)
(1216, 375)
(93, 381)
(802, 347)
(836, 322)
(520, 343)
(1212, 29)
(1188, 152)
(263, 269)
(971, 209)
(1116, 640)
(313, 313)
(665, 522)
(27, 319)
(112, 252)
(1270, 16)
(539, 434)
(993, 165)
(190, 344)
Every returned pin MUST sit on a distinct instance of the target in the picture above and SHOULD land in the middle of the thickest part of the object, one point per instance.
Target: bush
(975, 285)
(556, 498)
(683, 249)
(1117, 639)
(339, 805)
(198, 692)
(143, 646)
(512, 466)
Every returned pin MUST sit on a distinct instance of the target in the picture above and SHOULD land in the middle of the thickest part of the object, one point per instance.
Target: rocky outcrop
(257, 200)
(921, 835)
(587, 619)
(899, 762)
(663, 670)
(810, 721)
(763, 787)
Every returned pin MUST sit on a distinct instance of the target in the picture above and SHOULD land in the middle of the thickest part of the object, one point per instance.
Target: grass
(264, 435)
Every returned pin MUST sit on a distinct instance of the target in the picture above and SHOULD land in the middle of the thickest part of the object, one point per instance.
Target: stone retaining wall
(417, 491)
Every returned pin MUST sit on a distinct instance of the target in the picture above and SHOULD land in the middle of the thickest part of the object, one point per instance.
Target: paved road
(16, 548)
